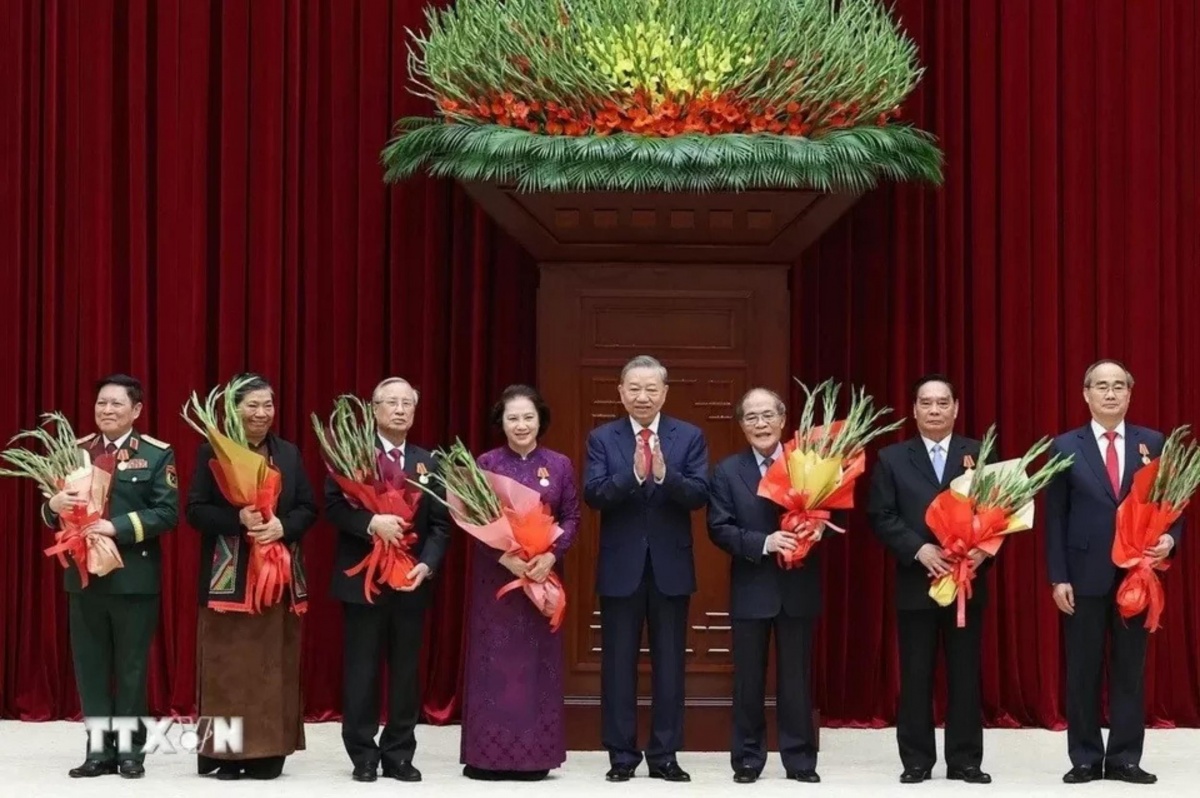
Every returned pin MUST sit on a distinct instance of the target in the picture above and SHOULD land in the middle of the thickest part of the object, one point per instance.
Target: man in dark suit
(905, 481)
(763, 597)
(1081, 510)
(646, 473)
(393, 625)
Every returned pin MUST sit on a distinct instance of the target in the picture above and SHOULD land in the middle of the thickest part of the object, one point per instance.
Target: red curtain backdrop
(190, 188)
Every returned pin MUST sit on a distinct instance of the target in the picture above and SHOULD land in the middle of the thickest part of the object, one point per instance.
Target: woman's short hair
(253, 382)
(522, 392)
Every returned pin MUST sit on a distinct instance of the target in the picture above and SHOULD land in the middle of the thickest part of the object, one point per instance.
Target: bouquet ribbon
(388, 564)
(526, 527)
(92, 553)
(961, 528)
(1140, 523)
(808, 487)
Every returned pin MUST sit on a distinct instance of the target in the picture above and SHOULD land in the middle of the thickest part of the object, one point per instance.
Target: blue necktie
(939, 462)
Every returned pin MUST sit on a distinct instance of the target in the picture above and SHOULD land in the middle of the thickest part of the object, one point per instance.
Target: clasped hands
(391, 529)
(536, 569)
(658, 464)
(934, 558)
(261, 531)
(781, 540)
(69, 499)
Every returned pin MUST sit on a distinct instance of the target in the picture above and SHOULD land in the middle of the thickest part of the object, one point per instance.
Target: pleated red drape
(190, 188)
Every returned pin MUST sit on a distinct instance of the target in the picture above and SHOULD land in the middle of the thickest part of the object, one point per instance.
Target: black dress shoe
(670, 772)
(93, 768)
(1130, 773)
(229, 772)
(745, 776)
(620, 773)
(365, 772)
(915, 775)
(131, 769)
(808, 776)
(970, 774)
(402, 772)
(1082, 774)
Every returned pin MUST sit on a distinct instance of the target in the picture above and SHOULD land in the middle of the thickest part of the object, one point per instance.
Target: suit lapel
(1091, 453)
(954, 461)
(625, 442)
(1132, 439)
(666, 436)
(748, 469)
(921, 461)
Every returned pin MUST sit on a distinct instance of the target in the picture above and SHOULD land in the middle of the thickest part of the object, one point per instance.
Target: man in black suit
(1081, 512)
(763, 597)
(393, 625)
(905, 481)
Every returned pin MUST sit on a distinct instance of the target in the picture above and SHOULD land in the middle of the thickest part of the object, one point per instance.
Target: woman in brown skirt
(249, 662)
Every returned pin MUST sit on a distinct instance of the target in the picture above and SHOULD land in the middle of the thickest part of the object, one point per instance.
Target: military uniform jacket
(143, 503)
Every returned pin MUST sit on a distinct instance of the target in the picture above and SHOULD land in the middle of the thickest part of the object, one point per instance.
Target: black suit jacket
(903, 485)
(354, 542)
(739, 522)
(211, 515)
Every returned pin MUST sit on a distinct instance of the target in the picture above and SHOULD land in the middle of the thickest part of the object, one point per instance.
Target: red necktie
(110, 448)
(397, 457)
(1111, 462)
(645, 436)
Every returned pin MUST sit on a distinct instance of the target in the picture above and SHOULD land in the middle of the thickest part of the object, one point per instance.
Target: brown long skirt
(249, 667)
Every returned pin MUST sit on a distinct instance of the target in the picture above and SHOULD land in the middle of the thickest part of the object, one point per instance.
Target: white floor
(35, 758)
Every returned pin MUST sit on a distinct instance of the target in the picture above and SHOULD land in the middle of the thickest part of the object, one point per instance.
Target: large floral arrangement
(664, 95)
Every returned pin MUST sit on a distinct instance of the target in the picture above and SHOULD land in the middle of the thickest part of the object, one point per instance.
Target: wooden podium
(700, 281)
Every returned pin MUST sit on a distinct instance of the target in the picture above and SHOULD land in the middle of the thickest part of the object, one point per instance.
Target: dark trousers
(622, 619)
(793, 676)
(393, 628)
(110, 645)
(1085, 633)
(919, 631)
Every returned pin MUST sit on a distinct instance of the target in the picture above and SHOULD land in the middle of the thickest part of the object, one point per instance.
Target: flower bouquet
(246, 479)
(1160, 492)
(980, 508)
(505, 515)
(66, 466)
(820, 465)
(374, 483)
(667, 95)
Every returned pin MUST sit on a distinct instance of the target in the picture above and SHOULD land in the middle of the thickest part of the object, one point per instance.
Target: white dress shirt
(637, 433)
(388, 448)
(762, 469)
(1099, 432)
(944, 443)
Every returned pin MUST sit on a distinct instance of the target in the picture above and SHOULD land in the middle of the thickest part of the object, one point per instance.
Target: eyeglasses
(392, 404)
(752, 419)
(1104, 387)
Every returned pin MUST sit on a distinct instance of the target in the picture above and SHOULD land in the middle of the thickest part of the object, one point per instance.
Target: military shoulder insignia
(422, 474)
(86, 440)
(155, 442)
(172, 477)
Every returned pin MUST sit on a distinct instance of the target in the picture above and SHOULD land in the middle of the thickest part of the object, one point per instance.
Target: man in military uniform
(113, 619)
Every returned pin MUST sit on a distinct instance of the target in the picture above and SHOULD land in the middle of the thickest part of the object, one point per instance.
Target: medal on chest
(1144, 451)
(422, 474)
(122, 459)
(543, 477)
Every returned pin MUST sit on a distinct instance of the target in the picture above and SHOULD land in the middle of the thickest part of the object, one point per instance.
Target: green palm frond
(853, 159)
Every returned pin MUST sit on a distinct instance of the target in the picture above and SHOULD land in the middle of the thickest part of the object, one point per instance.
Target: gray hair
(739, 410)
(644, 362)
(1087, 375)
(394, 381)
